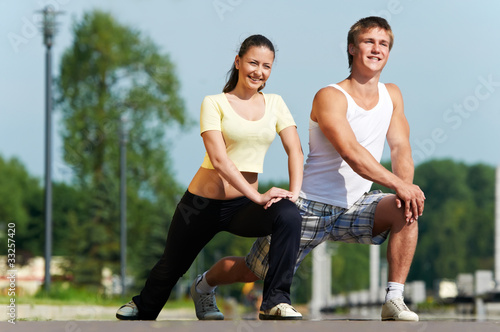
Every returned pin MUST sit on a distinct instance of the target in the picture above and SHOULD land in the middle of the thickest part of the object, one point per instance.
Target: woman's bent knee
(288, 214)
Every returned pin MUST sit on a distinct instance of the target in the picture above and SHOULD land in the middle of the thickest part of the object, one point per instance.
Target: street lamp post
(49, 27)
(123, 201)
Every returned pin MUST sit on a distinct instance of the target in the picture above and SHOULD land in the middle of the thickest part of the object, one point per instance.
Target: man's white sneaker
(128, 311)
(396, 309)
(206, 307)
(282, 311)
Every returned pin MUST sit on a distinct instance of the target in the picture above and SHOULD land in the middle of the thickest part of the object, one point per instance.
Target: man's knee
(400, 225)
(250, 276)
(388, 217)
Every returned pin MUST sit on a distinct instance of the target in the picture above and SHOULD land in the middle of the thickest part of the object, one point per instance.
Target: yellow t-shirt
(246, 141)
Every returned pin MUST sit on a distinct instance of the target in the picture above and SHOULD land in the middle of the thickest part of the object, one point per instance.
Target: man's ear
(352, 49)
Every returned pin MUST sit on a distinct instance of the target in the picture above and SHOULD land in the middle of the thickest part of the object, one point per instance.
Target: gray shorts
(322, 222)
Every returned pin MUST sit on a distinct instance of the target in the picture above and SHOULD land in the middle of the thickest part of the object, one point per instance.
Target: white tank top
(327, 177)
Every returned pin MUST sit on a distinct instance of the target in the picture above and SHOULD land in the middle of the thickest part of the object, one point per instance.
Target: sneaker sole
(399, 320)
(211, 318)
(120, 317)
(273, 317)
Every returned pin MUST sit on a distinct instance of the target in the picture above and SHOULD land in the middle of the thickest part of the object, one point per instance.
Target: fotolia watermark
(455, 116)
(224, 6)
(31, 28)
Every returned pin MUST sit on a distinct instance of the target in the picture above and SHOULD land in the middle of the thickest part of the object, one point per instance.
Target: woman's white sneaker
(128, 311)
(282, 311)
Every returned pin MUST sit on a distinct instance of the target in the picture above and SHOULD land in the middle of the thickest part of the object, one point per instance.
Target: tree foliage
(21, 203)
(456, 230)
(111, 72)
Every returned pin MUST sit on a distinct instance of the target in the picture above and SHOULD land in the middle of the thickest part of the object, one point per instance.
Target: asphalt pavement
(250, 326)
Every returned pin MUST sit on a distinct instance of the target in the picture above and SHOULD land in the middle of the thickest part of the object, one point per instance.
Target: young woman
(237, 127)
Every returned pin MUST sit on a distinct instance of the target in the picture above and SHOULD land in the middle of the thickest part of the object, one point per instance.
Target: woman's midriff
(208, 183)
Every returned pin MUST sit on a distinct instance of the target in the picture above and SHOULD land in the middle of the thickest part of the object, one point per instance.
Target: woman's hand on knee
(274, 195)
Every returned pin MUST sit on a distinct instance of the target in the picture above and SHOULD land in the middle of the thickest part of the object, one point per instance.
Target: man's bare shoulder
(393, 89)
(328, 101)
(328, 94)
(394, 92)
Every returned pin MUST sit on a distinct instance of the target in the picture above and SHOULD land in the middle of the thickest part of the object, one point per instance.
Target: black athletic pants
(197, 220)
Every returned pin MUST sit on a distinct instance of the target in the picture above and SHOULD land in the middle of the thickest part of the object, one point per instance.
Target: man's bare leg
(229, 270)
(400, 251)
(402, 240)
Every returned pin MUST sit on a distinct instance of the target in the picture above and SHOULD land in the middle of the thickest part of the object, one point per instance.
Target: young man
(348, 126)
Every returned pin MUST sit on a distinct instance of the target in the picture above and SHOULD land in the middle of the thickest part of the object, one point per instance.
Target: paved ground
(251, 326)
(42, 318)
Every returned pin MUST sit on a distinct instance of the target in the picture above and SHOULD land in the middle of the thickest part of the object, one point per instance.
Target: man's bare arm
(329, 110)
(398, 138)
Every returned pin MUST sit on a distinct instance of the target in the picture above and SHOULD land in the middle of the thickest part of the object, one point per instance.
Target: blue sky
(445, 61)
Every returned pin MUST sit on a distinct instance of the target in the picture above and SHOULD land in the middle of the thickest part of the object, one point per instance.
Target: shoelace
(283, 307)
(405, 308)
(287, 306)
(131, 304)
(207, 300)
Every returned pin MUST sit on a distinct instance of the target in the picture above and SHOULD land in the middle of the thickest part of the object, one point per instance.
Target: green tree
(480, 226)
(15, 187)
(456, 230)
(21, 202)
(108, 72)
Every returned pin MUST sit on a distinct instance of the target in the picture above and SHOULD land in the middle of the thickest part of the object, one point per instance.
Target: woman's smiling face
(254, 67)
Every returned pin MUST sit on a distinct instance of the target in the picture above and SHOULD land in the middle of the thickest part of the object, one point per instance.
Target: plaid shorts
(322, 222)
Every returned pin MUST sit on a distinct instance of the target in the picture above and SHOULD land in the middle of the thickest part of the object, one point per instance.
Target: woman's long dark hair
(254, 40)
